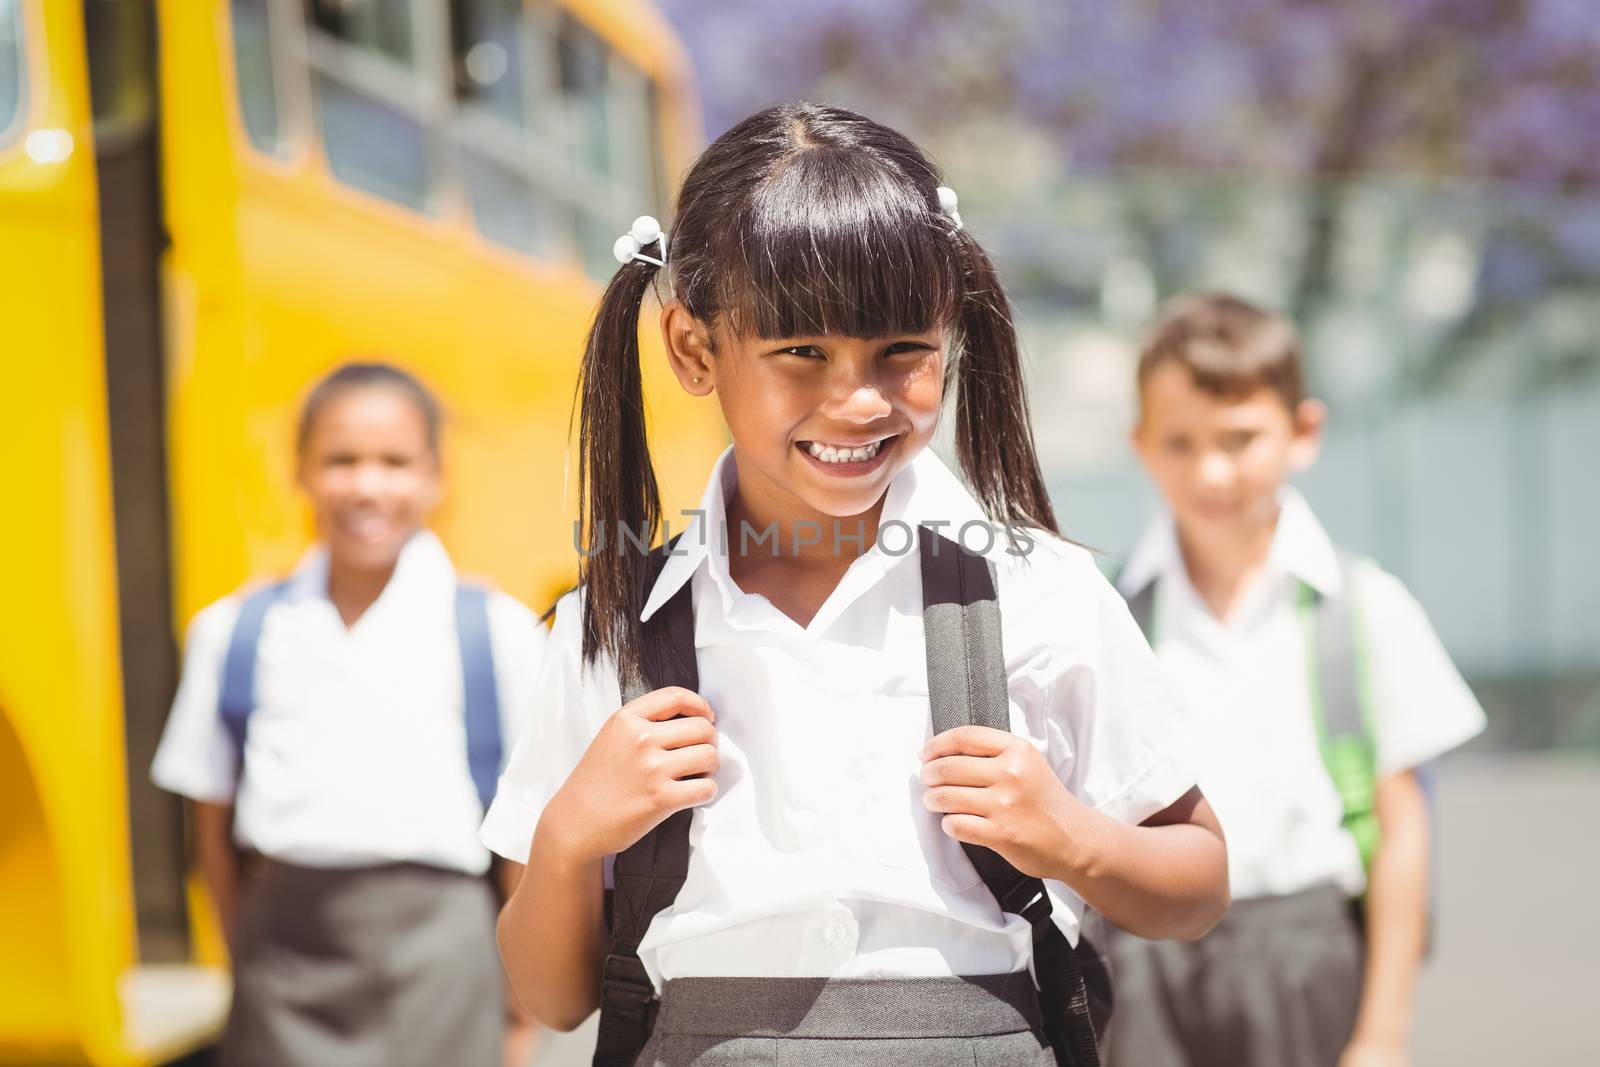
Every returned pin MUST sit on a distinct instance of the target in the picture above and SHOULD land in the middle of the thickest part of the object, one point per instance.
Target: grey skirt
(391, 966)
(1276, 984)
(991, 1020)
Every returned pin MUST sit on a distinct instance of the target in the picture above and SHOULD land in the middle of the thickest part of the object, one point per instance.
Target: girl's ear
(1310, 416)
(688, 344)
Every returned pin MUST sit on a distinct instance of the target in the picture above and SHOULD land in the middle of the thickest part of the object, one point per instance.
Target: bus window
(253, 68)
(583, 62)
(635, 137)
(487, 40)
(364, 64)
(10, 68)
(496, 51)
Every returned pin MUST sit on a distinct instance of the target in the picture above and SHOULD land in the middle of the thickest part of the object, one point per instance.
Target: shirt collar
(422, 569)
(1301, 548)
(926, 492)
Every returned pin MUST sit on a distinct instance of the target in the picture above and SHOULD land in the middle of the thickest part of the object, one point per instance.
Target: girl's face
(370, 475)
(820, 425)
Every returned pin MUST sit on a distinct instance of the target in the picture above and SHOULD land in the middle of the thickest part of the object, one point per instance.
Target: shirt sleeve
(1422, 705)
(519, 640)
(1117, 735)
(196, 757)
(573, 702)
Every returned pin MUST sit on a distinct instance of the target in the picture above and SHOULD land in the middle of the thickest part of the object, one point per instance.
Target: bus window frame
(533, 149)
(420, 91)
(631, 141)
(290, 104)
(11, 134)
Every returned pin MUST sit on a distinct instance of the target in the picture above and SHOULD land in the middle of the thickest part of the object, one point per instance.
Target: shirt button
(834, 934)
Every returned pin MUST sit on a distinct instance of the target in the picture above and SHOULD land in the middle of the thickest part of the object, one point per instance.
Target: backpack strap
(485, 745)
(1335, 662)
(1142, 606)
(649, 873)
(238, 697)
(967, 685)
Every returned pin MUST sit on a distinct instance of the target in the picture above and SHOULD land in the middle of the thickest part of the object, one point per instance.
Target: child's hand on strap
(996, 790)
(652, 757)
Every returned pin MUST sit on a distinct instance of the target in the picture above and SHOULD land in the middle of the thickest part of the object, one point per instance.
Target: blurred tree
(1330, 91)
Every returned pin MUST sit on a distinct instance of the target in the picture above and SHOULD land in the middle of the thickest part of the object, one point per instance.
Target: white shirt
(356, 750)
(1247, 679)
(817, 857)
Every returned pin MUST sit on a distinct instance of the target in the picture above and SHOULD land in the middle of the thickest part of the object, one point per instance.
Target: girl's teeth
(830, 454)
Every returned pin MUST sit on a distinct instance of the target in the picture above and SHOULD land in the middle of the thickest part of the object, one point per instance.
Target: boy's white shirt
(817, 857)
(356, 751)
(1257, 749)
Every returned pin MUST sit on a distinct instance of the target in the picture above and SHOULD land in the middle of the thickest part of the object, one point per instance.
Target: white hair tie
(947, 203)
(646, 230)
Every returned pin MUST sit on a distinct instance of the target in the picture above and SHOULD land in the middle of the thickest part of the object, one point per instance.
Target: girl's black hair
(367, 375)
(801, 220)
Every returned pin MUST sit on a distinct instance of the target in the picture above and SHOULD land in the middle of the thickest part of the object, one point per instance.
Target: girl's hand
(653, 756)
(998, 791)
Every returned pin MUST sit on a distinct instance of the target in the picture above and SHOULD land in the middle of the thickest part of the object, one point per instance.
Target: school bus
(204, 205)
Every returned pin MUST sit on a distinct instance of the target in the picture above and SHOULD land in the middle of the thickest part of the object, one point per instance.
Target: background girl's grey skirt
(391, 966)
(989, 1021)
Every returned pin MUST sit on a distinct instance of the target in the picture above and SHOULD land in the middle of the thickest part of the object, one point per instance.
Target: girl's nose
(862, 404)
(369, 479)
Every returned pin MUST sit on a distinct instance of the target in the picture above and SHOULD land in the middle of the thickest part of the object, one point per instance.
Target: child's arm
(1165, 878)
(1397, 918)
(652, 757)
(218, 859)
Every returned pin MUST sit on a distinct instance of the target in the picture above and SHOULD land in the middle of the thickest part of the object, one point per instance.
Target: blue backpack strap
(485, 746)
(238, 696)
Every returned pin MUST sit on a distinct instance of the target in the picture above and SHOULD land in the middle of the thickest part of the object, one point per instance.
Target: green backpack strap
(1336, 676)
(1336, 665)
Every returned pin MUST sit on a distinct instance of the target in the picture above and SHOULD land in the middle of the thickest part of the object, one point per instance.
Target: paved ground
(1513, 977)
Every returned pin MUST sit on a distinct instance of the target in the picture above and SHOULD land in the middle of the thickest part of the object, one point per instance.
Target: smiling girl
(339, 765)
(820, 904)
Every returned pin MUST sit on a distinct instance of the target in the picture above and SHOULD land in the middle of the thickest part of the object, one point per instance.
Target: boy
(1322, 688)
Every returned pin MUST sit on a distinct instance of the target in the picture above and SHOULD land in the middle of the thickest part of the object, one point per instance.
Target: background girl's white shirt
(817, 857)
(356, 753)
(1259, 760)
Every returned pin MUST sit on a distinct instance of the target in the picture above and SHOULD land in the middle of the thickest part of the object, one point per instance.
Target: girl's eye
(800, 350)
(902, 347)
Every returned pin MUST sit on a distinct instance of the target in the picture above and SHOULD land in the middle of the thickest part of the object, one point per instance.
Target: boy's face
(371, 478)
(1219, 462)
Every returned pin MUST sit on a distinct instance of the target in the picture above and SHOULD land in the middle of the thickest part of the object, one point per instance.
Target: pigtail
(619, 500)
(994, 437)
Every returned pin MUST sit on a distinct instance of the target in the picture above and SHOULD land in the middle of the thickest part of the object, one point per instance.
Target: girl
(826, 292)
(332, 731)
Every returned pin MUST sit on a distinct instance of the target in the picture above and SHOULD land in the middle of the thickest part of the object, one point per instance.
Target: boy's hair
(1230, 347)
(801, 220)
(369, 375)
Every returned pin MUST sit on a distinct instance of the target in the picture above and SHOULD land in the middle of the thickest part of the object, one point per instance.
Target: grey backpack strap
(1338, 681)
(967, 685)
(1142, 606)
(649, 873)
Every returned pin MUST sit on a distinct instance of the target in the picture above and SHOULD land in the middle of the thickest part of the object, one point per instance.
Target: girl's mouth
(846, 460)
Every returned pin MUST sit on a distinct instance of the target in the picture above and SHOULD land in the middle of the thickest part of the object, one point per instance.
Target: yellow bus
(203, 205)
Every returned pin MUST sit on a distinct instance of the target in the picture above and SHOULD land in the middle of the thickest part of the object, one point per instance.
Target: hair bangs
(835, 243)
